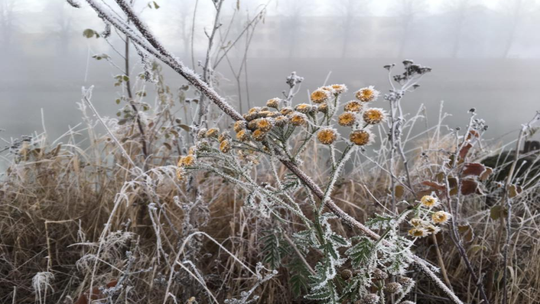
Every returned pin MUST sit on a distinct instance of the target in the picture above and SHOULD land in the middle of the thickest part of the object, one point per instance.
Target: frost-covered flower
(353, 106)
(339, 88)
(429, 201)
(280, 121)
(418, 232)
(187, 160)
(323, 108)
(371, 298)
(431, 229)
(303, 108)
(298, 119)
(362, 137)
(213, 132)
(440, 217)
(378, 274)
(374, 116)
(180, 173)
(393, 287)
(286, 110)
(254, 110)
(327, 136)
(320, 95)
(346, 274)
(223, 136)
(265, 124)
(258, 135)
(242, 135)
(347, 119)
(225, 146)
(405, 281)
(417, 222)
(367, 94)
(202, 133)
(273, 103)
(239, 125)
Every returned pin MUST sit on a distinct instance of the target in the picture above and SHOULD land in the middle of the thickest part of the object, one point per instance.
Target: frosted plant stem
(194, 80)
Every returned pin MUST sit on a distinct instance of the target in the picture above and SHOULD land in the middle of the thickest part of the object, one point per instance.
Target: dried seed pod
(393, 287)
(239, 125)
(353, 106)
(361, 137)
(273, 103)
(298, 119)
(242, 135)
(259, 135)
(286, 110)
(346, 274)
(225, 146)
(212, 133)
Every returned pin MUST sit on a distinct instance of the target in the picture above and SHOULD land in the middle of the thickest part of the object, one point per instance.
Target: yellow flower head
(212, 132)
(347, 119)
(320, 96)
(201, 133)
(225, 146)
(258, 135)
(339, 88)
(298, 119)
(417, 222)
(429, 201)
(432, 229)
(254, 110)
(323, 108)
(187, 160)
(418, 232)
(273, 103)
(327, 136)
(192, 150)
(180, 173)
(280, 121)
(440, 217)
(265, 124)
(239, 125)
(367, 94)
(286, 110)
(223, 136)
(362, 137)
(242, 135)
(353, 106)
(303, 108)
(374, 116)
(250, 116)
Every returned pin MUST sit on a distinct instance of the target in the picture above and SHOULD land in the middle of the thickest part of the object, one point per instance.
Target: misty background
(484, 54)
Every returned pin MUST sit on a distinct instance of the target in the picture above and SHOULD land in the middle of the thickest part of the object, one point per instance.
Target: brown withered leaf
(470, 186)
(485, 175)
(434, 185)
(466, 232)
(464, 150)
(514, 190)
(473, 169)
(399, 190)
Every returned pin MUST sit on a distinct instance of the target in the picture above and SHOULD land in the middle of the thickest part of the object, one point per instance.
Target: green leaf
(89, 33)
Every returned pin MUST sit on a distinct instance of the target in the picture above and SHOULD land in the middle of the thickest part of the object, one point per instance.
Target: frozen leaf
(473, 169)
(466, 232)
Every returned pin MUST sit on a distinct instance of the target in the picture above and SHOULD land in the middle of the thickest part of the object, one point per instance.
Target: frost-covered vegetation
(331, 199)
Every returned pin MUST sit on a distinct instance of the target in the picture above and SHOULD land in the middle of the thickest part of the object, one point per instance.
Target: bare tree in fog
(184, 25)
(63, 25)
(291, 27)
(348, 10)
(7, 23)
(407, 12)
(515, 12)
(460, 11)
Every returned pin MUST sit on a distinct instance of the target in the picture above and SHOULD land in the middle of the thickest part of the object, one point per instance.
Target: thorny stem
(161, 53)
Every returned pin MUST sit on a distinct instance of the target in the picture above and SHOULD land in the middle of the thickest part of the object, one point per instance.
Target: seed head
(286, 110)
(265, 124)
(378, 274)
(371, 298)
(327, 136)
(303, 108)
(280, 121)
(346, 274)
(393, 287)
(323, 108)
(405, 281)
(202, 133)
